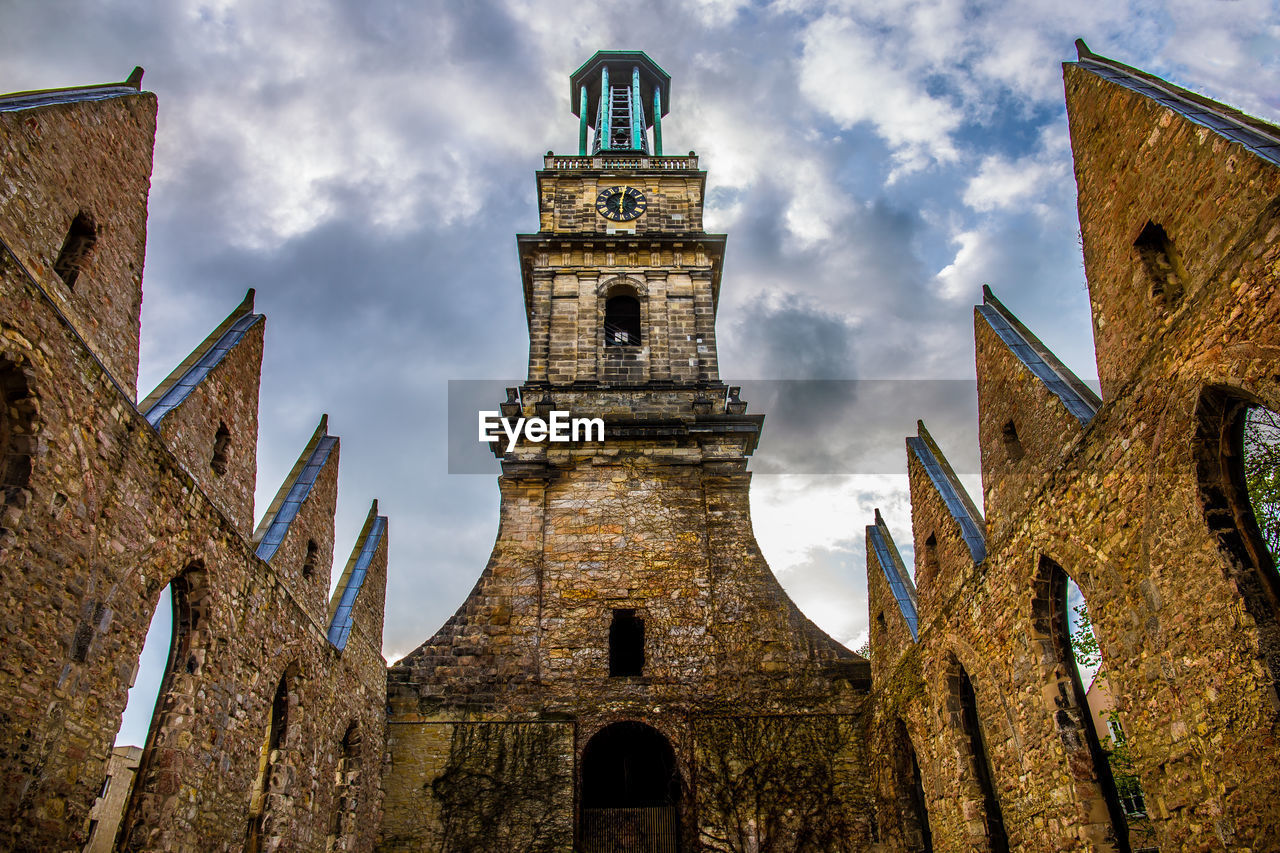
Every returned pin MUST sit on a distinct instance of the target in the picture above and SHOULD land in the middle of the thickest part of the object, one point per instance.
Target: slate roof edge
(192, 360)
(1084, 393)
(1253, 124)
(880, 532)
(69, 94)
(273, 509)
(923, 444)
(375, 527)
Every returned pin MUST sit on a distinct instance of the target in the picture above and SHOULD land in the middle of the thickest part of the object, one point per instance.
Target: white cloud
(845, 73)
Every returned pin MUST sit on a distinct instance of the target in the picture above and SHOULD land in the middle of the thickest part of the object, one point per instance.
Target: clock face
(621, 203)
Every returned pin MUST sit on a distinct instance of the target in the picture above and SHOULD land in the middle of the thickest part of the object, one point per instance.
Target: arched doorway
(630, 792)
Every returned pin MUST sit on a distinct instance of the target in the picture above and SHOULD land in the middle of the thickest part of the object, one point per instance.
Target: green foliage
(865, 649)
(778, 784)
(1084, 644)
(1262, 472)
(507, 786)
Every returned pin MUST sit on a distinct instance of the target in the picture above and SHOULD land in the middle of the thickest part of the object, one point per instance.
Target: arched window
(18, 411)
(1070, 649)
(622, 321)
(271, 782)
(630, 790)
(165, 697)
(1165, 274)
(1237, 446)
(76, 248)
(907, 789)
(312, 558)
(221, 450)
(964, 711)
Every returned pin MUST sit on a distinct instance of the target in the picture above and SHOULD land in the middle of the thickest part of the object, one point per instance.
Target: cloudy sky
(365, 165)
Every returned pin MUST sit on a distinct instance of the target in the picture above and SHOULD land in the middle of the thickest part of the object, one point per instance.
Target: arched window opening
(907, 788)
(630, 790)
(313, 557)
(930, 566)
(1012, 445)
(270, 783)
(626, 644)
(76, 248)
(622, 321)
(1237, 450)
(1165, 273)
(1082, 703)
(17, 437)
(163, 695)
(342, 828)
(964, 704)
(221, 450)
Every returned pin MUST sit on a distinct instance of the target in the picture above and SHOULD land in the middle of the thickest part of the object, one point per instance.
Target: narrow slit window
(221, 450)
(931, 555)
(622, 322)
(81, 238)
(1012, 444)
(1164, 268)
(313, 557)
(626, 644)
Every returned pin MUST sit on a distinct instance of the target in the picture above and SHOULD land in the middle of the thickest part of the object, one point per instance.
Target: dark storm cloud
(365, 165)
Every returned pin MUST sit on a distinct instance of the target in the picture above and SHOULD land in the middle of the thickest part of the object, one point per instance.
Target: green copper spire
(627, 93)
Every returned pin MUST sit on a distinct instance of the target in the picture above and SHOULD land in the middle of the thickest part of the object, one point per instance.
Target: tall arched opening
(1237, 445)
(630, 791)
(907, 788)
(975, 764)
(163, 698)
(1067, 693)
(269, 796)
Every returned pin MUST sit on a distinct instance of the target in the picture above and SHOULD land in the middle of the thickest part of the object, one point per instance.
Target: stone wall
(1126, 504)
(103, 512)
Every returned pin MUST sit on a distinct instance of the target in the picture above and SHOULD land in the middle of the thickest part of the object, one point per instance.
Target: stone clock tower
(626, 664)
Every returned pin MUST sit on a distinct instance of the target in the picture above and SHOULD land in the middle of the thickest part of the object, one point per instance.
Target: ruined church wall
(107, 519)
(1120, 511)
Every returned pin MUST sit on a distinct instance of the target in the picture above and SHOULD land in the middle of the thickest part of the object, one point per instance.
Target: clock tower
(626, 656)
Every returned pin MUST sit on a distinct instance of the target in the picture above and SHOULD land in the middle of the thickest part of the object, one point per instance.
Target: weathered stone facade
(108, 502)
(627, 669)
(758, 710)
(1137, 497)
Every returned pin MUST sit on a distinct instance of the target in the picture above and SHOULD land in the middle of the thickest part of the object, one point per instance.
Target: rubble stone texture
(104, 511)
(626, 600)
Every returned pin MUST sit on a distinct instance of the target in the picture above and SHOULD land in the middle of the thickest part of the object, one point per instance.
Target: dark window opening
(908, 789)
(93, 829)
(976, 753)
(629, 765)
(342, 824)
(74, 256)
(622, 322)
(18, 411)
(1012, 445)
(1164, 268)
(269, 759)
(106, 783)
(1073, 718)
(931, 555)
(221, 450)
(313, 556)
(626, 644)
